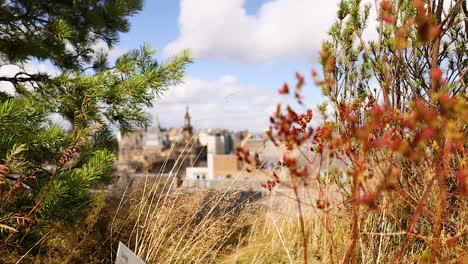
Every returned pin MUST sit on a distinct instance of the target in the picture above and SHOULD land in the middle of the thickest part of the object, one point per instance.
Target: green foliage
(24, 122)
(71, 188)
(62, 31)
(47, 168)
(113, 96)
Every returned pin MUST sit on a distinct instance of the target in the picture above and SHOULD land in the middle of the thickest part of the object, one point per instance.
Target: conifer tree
(46, 171)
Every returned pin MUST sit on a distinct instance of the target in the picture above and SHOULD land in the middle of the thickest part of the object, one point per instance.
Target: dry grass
(182, 226)
(166, 225)
(275, 236)
(192, 227)
(226, 227)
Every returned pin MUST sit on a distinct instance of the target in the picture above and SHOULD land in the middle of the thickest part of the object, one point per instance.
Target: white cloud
(9, 70)
(281, 28)
(113, 53)
(220, 103)
(224, 89)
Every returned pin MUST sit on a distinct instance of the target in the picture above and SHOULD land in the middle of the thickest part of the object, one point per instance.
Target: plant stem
(301, 220)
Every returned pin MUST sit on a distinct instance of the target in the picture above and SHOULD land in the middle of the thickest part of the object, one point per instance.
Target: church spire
(187, 125)
(188, 137)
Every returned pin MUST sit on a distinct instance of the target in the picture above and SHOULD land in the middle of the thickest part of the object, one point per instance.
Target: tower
(187, 130)
(191, 142)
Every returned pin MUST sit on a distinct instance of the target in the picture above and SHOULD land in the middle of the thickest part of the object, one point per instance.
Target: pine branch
(30, 78)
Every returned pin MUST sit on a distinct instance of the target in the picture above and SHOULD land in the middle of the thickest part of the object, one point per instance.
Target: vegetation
(194, 226)
(385, 182)
(47, 168)
(393, 138)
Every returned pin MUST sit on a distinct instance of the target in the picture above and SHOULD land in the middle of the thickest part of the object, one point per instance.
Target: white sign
(126, 256)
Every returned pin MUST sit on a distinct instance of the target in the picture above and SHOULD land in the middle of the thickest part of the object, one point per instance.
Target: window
(229, 176)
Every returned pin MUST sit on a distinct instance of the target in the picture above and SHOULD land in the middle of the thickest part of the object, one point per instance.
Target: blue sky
(244, 50)
(234, 85)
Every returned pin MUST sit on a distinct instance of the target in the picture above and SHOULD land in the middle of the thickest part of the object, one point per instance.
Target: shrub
(393, 133)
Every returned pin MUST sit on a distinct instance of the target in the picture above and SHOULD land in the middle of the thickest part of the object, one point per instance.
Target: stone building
(224, 170)
(150, 150)
(139, 149)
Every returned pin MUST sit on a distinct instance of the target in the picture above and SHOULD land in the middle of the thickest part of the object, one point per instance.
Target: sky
(243, 50)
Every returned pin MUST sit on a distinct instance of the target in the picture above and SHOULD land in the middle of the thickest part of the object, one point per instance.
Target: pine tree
(46, 171)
